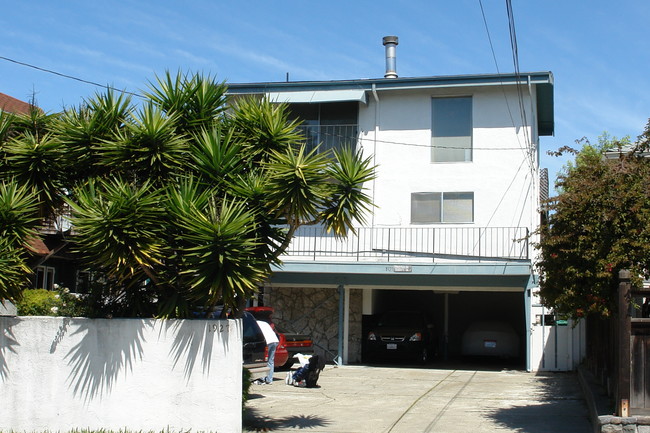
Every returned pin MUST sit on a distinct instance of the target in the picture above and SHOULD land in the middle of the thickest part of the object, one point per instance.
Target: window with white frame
(442, 207)
(44, 278)
(451, 129)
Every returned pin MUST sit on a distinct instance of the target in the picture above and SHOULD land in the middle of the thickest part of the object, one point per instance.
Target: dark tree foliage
(598, 225)
(181, 203)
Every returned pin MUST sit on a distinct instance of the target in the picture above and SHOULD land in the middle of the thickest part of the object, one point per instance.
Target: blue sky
(597, 50)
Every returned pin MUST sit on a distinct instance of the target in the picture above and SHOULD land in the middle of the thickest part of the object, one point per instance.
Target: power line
(49, 71)
(505, 96)
(515, 60)
(93, 83)
(343, 137)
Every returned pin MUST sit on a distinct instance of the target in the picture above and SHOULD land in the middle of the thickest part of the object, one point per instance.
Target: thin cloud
(267, 60)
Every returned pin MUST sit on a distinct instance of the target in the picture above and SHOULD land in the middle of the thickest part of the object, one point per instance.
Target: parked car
(281, 353)
(402, 334)
(294, 343)
(490, 338)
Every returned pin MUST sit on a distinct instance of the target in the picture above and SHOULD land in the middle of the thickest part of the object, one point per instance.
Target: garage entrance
(463, 309)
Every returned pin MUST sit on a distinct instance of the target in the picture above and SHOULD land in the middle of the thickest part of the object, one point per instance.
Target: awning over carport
(445, 278)
(502, 276)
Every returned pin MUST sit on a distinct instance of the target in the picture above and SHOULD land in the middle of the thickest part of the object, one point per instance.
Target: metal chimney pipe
(390, 42)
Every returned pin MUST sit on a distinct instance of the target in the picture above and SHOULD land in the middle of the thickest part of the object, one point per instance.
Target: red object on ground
(290, 342)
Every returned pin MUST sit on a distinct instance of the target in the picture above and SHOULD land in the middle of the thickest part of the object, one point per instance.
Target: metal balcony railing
(412, 244)
(329, 136)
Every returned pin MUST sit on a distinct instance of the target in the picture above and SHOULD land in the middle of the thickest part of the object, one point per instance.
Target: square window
(442, 207)
(426, 207)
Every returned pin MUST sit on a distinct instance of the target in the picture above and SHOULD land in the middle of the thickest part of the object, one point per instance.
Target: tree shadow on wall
(7, 343)
(102, 353)
(105, 352)
(191, 340)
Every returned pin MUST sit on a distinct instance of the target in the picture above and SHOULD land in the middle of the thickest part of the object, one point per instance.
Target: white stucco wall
(57, 374)
(397, 131)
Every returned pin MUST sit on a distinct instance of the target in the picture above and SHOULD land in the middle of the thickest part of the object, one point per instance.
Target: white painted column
(346, 324)
(367, 301)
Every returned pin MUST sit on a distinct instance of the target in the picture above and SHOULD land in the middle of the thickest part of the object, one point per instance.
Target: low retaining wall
(57, 374)
(599, 406)
(617, 424)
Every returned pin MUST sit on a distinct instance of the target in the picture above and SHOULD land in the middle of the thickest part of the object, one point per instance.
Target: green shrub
(245, 386)
(42, 302)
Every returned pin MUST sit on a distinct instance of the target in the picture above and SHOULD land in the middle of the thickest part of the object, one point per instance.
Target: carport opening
(464, 308)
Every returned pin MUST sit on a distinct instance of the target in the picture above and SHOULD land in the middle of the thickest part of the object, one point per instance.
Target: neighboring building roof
(37, 246)
(626, 150)
(543, 81)
(13, 105)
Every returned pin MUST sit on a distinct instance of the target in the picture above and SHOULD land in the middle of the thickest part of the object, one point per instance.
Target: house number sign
(217, 327)
(399, 268)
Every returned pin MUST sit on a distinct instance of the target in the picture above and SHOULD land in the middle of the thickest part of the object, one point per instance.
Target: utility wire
(505, 96)
(49, 71)
(429, 146)
(342, 138)
(522, 108)
(322, 134)
(515, 61)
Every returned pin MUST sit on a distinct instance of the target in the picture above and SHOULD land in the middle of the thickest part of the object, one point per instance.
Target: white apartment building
(457, 198)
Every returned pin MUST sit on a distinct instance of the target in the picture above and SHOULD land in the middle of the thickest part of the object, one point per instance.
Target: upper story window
(44, 278)
(451, 129)
(330, 124)
(442, 207)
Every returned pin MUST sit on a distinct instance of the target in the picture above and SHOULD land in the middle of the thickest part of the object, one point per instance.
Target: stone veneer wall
(615, 424)
(315, 311)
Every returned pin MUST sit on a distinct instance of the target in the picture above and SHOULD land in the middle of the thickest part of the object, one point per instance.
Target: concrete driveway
(373, 399)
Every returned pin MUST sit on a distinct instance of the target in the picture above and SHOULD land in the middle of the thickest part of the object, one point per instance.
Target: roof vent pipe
(390, 42)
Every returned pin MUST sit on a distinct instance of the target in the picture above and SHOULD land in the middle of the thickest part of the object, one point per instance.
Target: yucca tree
(147, 148)
(18, 223)
(82, 131)
(185, 202)
(38, 163)
(197, 101)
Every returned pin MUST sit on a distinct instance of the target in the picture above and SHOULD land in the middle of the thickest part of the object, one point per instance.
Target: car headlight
(372, 336)
(416, 337)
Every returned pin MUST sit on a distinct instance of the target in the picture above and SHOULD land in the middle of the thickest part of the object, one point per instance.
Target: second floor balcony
(412, 244)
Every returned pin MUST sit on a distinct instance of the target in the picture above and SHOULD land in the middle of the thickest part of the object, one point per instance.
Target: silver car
(490, 339)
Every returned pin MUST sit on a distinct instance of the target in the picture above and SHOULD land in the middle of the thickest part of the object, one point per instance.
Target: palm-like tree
(18, 223)
(184, 203)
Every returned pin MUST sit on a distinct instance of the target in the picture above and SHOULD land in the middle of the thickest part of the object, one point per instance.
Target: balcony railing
(412, 244)
(329, 136)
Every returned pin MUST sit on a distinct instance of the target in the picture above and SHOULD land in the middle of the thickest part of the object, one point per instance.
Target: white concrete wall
(7, 308)
(57, 374)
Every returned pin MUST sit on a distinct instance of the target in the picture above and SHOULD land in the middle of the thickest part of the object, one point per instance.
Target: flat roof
(543, 81)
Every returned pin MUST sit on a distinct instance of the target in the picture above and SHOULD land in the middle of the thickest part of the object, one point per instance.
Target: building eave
(543, 81)
(511, 276)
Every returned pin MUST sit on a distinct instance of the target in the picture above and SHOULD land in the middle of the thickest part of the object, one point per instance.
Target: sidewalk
(364, 399)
